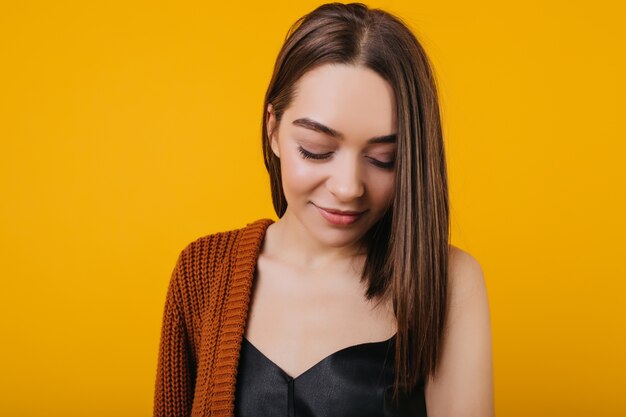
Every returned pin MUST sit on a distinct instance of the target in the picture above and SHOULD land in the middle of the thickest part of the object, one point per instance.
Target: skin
(307, 276)
(359, 105)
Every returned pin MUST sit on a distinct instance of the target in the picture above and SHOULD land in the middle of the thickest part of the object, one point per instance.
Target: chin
(337, 236)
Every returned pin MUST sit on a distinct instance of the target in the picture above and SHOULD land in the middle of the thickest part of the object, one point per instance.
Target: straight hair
(407, 249)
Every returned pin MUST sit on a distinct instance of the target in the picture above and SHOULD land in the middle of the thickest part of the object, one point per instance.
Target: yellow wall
(129, 129)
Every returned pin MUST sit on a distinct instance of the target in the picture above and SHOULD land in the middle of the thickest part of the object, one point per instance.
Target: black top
(356, 381)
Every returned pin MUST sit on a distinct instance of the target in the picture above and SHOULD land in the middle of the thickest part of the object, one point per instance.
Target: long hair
(407, 249)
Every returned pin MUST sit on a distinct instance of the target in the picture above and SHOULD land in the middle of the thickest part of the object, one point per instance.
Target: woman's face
(336, 143)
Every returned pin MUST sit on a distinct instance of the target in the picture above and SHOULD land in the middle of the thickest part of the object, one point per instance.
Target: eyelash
(310, 155)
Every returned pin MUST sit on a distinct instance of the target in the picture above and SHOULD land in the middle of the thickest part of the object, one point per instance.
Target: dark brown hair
(407, 249)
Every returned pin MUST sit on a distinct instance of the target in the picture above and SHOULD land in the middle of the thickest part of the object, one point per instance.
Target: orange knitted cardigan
(205, 312)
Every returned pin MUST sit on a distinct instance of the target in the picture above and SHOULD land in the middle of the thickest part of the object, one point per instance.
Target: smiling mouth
(342, 212)
(338, 217)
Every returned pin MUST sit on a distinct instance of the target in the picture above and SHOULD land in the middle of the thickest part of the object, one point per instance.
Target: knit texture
(204, 317)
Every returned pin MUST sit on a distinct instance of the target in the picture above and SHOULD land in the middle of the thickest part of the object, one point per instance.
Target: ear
(272, 133)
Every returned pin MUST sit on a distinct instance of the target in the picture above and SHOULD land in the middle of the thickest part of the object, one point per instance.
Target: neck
(289, 240)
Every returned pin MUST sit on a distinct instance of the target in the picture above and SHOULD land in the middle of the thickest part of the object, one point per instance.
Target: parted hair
(407, 249)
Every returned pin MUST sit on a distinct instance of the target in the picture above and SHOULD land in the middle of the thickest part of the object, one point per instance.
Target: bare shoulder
(465, 273)
(468, 298)
(463, 383)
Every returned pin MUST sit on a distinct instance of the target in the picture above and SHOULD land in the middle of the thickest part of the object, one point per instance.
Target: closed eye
(320, 156)
(310, 155)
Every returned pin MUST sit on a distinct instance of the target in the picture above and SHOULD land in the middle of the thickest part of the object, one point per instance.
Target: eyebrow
(310, 124)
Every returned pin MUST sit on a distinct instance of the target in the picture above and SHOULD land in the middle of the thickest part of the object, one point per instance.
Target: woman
(353, 303)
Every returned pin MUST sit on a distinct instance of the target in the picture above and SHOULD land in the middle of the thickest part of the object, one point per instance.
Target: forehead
(353, 100)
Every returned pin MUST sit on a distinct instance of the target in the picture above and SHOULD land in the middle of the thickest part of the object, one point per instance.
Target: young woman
(352, 303)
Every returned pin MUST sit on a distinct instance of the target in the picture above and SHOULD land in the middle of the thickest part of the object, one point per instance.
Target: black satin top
(356, 381)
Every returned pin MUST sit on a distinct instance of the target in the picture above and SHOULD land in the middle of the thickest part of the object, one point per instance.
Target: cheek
(382, 188)
(298, 175)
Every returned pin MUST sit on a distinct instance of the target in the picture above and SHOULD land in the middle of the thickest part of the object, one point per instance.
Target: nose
(345, 181)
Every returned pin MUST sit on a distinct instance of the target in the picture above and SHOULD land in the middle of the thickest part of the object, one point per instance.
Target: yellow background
(128, 129)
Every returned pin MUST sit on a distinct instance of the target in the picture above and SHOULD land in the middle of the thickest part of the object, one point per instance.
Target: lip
(338, 217)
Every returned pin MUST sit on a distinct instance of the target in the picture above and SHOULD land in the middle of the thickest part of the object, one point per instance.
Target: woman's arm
(175, 379)
(463, 386)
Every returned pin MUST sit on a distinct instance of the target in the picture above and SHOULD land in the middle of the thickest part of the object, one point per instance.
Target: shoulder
(252, 230)
(468, 297)
(465, 273)
(207, 254)
(201, 256)
(222, 242)
(463, 384)
(210, 260)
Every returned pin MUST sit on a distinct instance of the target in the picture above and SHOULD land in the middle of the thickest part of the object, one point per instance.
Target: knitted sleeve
(175, 379)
